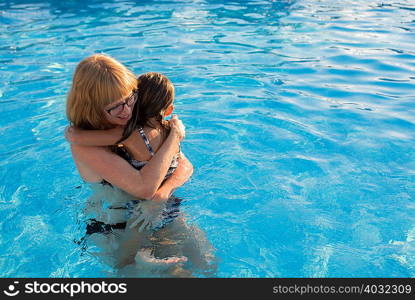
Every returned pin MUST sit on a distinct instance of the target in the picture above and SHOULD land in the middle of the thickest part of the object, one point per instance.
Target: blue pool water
(300, 123)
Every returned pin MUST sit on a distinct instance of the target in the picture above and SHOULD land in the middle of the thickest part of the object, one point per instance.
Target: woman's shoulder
(82, 153)
(86, 158)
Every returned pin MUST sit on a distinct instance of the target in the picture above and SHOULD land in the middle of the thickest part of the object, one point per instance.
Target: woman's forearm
(93, 137)
(102, 163)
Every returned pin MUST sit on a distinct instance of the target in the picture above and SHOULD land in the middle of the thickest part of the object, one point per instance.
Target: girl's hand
(177, 127)
(145, 215)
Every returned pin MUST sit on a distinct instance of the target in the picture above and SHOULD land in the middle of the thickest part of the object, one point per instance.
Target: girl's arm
(178, 178)
(93, 137)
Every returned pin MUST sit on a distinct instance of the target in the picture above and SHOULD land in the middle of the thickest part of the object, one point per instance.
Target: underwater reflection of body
(141, 238)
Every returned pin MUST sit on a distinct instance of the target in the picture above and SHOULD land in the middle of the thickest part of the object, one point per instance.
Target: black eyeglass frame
(130, 100)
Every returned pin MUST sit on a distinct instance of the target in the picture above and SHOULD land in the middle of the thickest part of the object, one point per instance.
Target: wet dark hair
(155, 93)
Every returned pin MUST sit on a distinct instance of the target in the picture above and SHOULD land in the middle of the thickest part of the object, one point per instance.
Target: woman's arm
(142, 184)
(93, 137)
(178, 178)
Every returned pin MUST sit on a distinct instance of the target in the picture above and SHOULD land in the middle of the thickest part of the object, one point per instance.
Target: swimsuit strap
(146, 141)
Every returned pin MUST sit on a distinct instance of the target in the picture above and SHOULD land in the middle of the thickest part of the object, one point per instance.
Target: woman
(100, 99)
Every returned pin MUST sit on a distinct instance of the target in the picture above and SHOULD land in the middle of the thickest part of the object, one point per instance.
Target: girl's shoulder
(154, 136)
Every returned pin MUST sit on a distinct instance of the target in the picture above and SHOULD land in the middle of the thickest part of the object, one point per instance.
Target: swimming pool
(300, 124)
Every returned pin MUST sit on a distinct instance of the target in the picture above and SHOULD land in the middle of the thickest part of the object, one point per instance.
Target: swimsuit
(170, 211)
(121, 151)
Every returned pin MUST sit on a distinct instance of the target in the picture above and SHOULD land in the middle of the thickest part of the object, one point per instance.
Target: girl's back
(136, 144)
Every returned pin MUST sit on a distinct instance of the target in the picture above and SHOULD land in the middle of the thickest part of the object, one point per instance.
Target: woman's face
(119, 112)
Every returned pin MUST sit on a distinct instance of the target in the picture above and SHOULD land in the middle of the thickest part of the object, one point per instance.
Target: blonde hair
(98, 81)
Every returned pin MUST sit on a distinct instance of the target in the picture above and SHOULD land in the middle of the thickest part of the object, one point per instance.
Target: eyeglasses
(119, 108)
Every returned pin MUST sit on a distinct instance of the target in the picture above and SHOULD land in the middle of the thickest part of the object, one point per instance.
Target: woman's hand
(163, 194)
(177, 127)
(183, 172)
(145, 215)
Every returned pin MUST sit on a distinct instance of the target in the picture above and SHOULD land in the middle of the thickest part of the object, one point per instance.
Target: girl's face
(119, 112)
